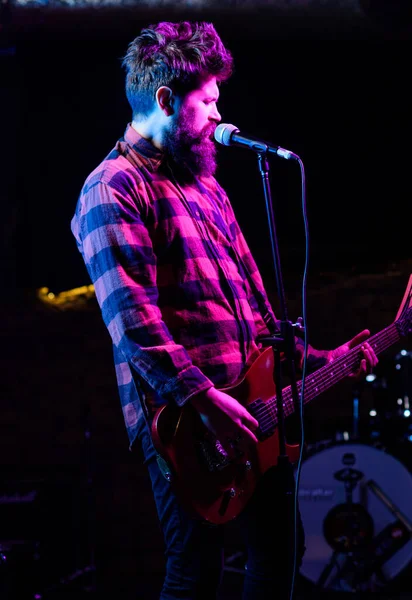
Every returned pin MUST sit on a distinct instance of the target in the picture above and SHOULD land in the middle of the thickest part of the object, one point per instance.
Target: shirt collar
(151, 156)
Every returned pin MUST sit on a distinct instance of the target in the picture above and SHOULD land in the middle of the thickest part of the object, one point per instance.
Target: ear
(165, 100)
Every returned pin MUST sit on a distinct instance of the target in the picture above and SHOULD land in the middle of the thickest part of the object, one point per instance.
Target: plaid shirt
(168, 263)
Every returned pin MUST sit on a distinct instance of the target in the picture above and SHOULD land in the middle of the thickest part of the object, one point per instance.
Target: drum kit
(355, 493)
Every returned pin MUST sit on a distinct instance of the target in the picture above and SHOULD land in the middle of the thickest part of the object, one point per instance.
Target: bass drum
(356, 507)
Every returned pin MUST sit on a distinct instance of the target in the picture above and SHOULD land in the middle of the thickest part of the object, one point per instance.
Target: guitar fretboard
(324, 378)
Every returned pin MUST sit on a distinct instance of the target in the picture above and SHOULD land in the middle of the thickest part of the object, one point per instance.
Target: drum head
(356, 507)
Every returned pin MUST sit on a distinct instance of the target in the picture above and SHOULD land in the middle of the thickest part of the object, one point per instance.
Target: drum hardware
(348, 528)
(378, 491)
(358, 536)
(377, 550)
(354, 534)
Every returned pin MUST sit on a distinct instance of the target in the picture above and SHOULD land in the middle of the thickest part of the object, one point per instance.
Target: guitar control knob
(248, 465)
(232, 492)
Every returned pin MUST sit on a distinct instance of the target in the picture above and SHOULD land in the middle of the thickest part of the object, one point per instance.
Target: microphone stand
(285, 342)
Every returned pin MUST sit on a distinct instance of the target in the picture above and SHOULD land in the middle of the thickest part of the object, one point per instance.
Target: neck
(149, 131)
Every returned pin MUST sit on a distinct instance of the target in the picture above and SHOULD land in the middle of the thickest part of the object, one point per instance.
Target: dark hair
(176, 55)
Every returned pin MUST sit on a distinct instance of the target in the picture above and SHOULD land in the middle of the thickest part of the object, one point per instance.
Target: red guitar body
(210, 485)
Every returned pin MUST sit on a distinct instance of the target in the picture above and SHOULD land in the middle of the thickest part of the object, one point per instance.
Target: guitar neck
(333, 372)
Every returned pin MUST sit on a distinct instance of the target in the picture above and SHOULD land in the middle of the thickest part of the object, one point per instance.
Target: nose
(215, 115)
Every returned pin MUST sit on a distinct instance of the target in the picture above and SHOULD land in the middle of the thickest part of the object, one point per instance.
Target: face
(189, 140)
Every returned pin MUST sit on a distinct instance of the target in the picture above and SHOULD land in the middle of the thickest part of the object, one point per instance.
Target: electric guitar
(215, 486)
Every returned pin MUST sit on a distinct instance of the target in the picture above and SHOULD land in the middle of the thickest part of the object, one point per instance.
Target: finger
(370, 356)
(365, 364)
(368, 348)
(248, 435)
(250, 421)
(373, 359)
(358, 375)
(359, 338)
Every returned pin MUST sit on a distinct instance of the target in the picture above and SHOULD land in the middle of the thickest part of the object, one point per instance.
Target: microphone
(229, 135)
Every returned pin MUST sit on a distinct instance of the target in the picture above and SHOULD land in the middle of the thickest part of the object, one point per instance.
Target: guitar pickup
(212, 454)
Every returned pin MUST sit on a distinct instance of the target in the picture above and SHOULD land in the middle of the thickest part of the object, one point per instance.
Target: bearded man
(184, 303)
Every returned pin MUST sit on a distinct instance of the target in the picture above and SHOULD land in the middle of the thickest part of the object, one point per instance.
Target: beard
(192, 151)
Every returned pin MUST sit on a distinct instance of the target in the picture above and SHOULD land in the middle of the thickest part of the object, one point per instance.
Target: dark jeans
(194, 549)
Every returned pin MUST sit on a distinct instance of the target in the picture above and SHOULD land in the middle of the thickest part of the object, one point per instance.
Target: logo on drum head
(315, 494)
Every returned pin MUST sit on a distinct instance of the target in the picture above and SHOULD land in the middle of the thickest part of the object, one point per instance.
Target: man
(182, 297)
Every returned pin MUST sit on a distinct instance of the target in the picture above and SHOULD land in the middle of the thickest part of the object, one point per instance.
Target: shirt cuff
(189, 382)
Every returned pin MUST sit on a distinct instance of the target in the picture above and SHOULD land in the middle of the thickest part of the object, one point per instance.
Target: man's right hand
(225, 417)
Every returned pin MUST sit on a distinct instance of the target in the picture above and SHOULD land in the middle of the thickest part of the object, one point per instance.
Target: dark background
(334, 87)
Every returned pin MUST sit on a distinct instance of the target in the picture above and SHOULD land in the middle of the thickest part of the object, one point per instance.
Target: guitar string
(320, 380)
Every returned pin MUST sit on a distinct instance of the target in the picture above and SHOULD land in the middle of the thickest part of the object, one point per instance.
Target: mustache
(205, 136)
(211, 132)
